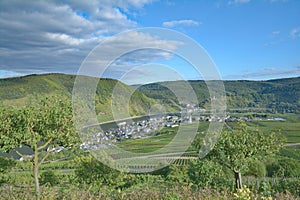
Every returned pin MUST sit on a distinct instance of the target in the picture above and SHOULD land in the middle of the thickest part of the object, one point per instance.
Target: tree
(5, 165)
(237, 147)
(95, 173)
(45, 124)
(207, 173)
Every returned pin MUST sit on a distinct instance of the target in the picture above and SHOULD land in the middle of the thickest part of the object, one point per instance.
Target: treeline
(280, 95)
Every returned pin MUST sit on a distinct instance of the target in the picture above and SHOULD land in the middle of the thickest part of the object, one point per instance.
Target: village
(151, 126)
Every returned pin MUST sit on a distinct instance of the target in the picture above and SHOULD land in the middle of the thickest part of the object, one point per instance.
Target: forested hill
(279, 95)
(20, 91)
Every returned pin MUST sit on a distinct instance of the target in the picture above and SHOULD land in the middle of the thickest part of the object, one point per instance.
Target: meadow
(75, 174)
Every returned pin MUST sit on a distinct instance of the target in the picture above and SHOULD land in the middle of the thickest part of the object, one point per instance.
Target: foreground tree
(5, 165)
(46, 124)
(237, 147)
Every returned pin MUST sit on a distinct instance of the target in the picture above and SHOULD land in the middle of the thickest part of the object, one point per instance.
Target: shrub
(5, 165)
(284, 168)
(256, 168)
(90, 171)
(206, 173)
(178, 174)
(49, 177)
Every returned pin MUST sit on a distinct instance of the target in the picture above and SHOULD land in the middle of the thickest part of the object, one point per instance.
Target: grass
(21, 184)
(290, 129)
(151, 191)
(157, 142)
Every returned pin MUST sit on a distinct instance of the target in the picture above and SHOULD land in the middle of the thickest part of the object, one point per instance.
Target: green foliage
(146, 145)
(284, 168)
(256, 168)
(280, 95)
(274, 186)
(140, 181)
(290, 153)
(237, 147)
(207, 173)
(91, 171)
(291, 185)
(49, 177)
(289, 128)
(50, 121)
(20, 91)
(5, 166)
(19, 178)
(178, 174)
(244, 194)
(149, 191)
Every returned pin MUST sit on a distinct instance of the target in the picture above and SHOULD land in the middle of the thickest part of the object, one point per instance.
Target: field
(64, 170)
(159, 141)
(289, 129)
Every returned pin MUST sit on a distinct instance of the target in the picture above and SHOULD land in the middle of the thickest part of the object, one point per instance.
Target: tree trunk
(36, 173)
(238, 180)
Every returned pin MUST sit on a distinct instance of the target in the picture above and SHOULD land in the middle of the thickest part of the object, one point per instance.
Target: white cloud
(56, 35)
(67, 39)
(238, 2)
(187, 22)
(149, 74)
(267, 72)
(295, 33)
(283, 1)
(144, 48)
(275, 32)
(139, 3)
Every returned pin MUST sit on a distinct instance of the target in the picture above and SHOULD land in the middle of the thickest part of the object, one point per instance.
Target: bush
(274, 186)
(206, 173)
(284, 168)
(291, 185)
(178, 174)
(93, 172)
(5, 165)
(141, 181)
(49, 177)
(256, 168)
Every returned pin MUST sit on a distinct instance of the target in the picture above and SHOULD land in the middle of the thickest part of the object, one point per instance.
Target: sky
(246, 39)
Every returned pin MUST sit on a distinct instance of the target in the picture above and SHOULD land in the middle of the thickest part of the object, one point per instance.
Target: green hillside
(280, 95)
(20, 91)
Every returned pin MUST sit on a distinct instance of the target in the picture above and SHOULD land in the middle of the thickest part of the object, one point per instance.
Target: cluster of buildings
(151, 126)
(144, 128)
(125, 130)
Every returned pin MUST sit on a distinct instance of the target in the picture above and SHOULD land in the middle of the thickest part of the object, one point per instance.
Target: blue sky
(247, 39)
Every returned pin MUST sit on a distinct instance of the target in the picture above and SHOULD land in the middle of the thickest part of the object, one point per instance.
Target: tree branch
(20, 154)
(229, 127)
(44, 145)
(44, 158)
(225, 164)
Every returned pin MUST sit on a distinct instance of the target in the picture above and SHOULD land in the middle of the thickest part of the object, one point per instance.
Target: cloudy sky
(246, 39)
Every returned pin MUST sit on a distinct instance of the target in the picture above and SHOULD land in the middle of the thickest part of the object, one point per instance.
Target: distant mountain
(280, 95)
(20, 91)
